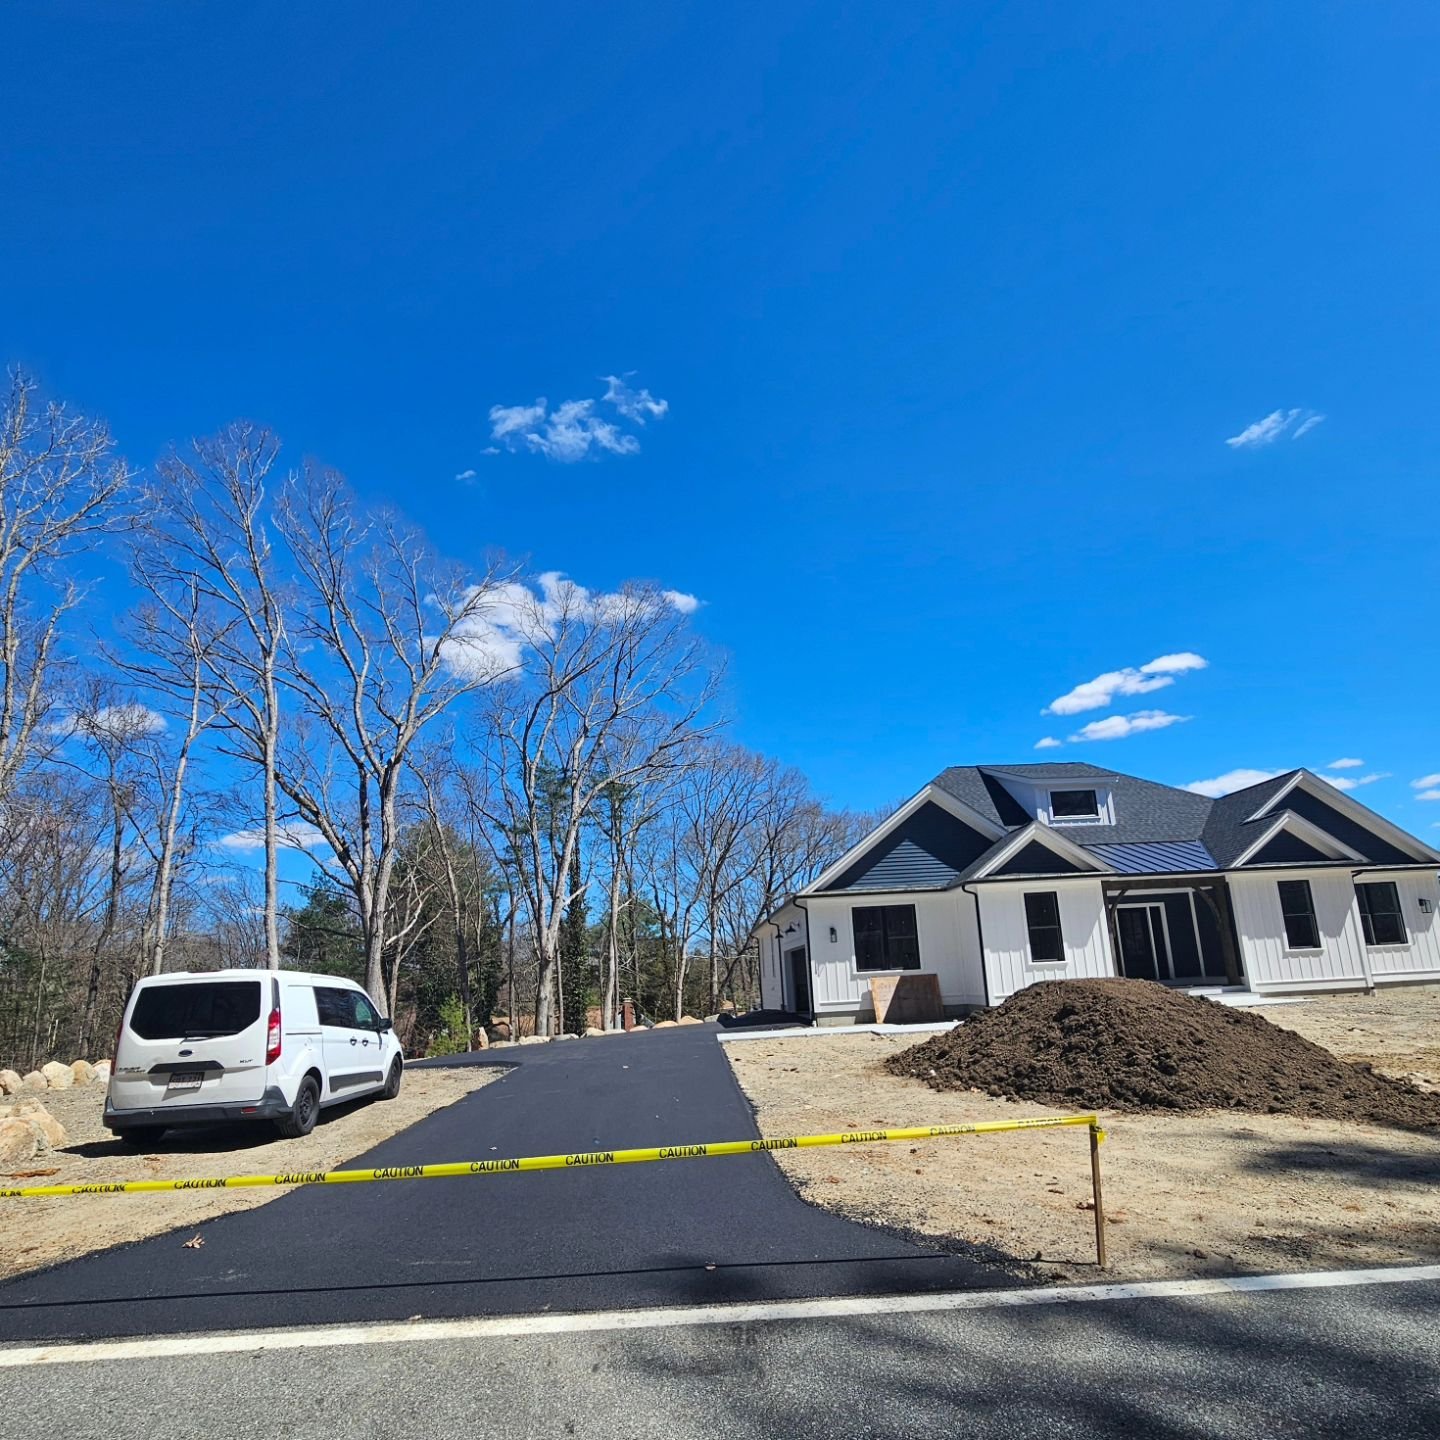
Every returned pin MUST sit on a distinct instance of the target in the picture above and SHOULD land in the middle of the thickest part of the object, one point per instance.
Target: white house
(996, 876)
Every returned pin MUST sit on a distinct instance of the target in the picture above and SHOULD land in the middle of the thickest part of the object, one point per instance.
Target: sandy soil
(1185, 1195)
(37, 1233)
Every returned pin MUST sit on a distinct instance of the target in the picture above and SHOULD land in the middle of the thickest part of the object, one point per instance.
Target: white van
(200, 1049)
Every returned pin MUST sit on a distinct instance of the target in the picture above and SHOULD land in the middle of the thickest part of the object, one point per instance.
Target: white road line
(409, 1332)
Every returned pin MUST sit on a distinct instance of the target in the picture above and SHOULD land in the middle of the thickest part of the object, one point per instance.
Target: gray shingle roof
(1158, 829)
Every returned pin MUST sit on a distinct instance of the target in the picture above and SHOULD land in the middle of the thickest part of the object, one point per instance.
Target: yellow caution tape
(550, 1162)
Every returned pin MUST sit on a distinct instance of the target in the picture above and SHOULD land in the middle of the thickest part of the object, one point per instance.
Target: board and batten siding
(945, 925)
(1083, 933)
(1420, 959)
(1343, 960)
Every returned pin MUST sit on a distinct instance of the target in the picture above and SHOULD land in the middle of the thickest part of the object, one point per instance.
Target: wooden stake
(1099, 1198)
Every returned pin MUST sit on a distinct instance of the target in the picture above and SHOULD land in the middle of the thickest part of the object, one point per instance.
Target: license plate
(185, 1079)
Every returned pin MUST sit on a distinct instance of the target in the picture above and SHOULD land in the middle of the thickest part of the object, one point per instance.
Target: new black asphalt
(672, 1233)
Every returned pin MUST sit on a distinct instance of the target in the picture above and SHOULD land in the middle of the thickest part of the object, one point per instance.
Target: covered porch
(1179, 931)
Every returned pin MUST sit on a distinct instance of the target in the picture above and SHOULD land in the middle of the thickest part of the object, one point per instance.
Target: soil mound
(1134, 1045)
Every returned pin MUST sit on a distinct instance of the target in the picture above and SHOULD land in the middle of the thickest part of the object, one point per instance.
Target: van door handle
(352, 1040)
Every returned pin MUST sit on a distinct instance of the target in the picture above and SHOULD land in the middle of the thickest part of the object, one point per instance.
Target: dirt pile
(1134, 1045)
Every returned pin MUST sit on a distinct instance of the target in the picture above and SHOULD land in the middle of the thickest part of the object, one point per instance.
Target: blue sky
(952, 310)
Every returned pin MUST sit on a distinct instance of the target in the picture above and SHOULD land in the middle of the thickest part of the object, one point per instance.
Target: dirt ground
(1186, 1195)
(36, 1233)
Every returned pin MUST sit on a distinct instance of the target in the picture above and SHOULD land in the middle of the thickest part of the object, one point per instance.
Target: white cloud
(1429, 795)
(1048, 742)
(119, 722)
(465, 475)
(490, 644)
(1273, 426)
(1344, 782)
(634, 405)
(679, 600)
(294, 835)
(1347, 763)
(572, 431)
(508, 420)
(1426, 782)
(1229, 782)
(1120, 727)
(1133, 680)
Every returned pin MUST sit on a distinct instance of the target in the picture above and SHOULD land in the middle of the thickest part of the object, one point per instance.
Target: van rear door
(193, 1042)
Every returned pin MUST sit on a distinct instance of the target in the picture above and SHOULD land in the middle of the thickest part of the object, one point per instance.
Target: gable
(1347, 831)
(1287, 849)
(1037, 859)
(926, 851)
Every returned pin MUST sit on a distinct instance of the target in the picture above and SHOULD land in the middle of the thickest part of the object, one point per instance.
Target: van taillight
(272, 1039)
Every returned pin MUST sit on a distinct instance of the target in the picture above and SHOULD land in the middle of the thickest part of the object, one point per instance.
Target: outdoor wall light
(1424, 905)
(834, 937)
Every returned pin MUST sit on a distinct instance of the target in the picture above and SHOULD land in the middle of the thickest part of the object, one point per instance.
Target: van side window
(334, 1007)
(365, 1016)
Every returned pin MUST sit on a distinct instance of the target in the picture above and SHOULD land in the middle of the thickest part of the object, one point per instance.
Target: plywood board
(906, 999)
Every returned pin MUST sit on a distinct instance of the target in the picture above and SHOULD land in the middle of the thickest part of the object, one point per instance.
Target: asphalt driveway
(665, 1234)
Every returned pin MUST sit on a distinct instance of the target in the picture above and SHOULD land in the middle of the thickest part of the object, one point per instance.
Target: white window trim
(1300, 951)
(1030, 960)
(1104, 807)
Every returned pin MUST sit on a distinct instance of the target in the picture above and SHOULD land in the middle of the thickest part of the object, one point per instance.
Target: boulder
(591, 1030)
(19, 1140)
(664, 1024)
(532, 1040)
(689, 1020)
(9, 1082)
(57, 1076)
(568, 1035)
(102, 1072)
(52, 1132)
(34, 1081)
(82, 1072)
(482, 1040)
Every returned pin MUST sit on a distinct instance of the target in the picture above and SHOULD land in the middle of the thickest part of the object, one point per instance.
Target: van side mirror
(384, 1024)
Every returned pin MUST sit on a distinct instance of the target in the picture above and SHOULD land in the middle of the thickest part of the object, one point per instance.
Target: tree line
(248, 720)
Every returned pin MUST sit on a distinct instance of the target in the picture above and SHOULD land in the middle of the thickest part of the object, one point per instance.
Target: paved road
(1358, 1362)
(679, 1233)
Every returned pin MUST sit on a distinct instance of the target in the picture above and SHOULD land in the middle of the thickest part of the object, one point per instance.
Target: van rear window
(204, 1011)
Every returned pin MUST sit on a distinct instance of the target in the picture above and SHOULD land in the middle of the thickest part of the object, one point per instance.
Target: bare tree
(60, 487)
(614, 688)
(386, 639)
(171, 649)
(210, 541)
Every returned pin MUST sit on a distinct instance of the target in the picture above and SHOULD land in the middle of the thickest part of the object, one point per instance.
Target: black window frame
(1291, 892)
(1047, 927)
(1369, 914)
(1076, 815)
(897, 950)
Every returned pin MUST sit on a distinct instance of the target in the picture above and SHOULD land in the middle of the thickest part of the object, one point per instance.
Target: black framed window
(1042, 919)
(1380, 913)
(1074, 805)
(885, 937)
(1297, 905)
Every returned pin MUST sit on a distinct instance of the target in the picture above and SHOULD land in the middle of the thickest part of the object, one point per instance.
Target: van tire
(305, 1112)
(392, 1080)
(140, 1137)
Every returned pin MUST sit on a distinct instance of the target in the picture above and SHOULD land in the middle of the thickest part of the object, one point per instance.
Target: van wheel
(392, 1080)
(301, 1119)
(140, 1137)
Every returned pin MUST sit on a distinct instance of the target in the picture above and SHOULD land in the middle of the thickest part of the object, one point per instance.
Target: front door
(1144, 942)
(799, 965)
